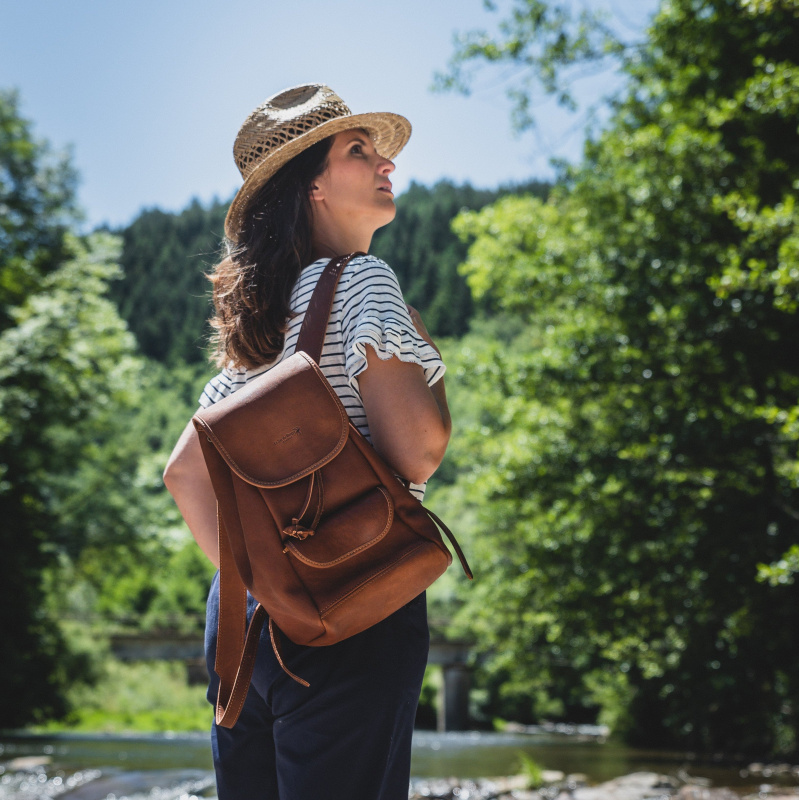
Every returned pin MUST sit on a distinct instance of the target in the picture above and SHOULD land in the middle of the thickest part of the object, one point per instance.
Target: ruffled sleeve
(374, 313)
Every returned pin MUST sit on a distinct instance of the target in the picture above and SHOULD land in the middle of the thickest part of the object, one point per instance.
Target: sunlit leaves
(765, 6)
(548, 39)
(783, 571)
(36, 205)
(772, 244)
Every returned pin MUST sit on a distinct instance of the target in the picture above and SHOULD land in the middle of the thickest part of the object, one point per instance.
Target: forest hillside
(164, 295)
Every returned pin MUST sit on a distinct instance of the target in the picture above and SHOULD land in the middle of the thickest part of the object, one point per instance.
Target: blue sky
(149, 94)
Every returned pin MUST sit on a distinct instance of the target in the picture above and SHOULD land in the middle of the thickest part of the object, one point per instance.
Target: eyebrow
(359, 137)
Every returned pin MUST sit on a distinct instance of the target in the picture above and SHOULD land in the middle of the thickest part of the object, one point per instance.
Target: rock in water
(637, 786)
(706, 793)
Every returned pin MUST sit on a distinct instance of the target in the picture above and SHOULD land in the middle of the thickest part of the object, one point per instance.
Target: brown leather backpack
(311, 520)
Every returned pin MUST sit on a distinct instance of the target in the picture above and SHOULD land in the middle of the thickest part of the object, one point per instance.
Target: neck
(329, 241)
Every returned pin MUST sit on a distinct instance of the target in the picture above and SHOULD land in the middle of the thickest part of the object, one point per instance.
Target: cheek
(349, 185)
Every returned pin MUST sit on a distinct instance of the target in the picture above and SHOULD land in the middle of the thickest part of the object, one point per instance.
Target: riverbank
(636, 786)
(26, 778)
(172, 766)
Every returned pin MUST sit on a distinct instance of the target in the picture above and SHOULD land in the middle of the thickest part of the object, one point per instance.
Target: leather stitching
(292, 547)
(231, 462)
(328, 608)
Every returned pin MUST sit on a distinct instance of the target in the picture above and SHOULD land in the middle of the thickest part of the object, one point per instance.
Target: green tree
(67, 376)
(425, 253)
(37, 206)
(84, 425)
(164, 295)
(635, 435)
(553, 45)
(136, 564)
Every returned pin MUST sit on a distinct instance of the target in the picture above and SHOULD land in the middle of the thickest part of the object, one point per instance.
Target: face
(355, 188)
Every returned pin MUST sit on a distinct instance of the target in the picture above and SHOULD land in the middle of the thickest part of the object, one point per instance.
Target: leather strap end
(231, 696)
(275, 639)
(454, 542)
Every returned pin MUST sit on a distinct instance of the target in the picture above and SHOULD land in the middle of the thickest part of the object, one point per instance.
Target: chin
(388, 215)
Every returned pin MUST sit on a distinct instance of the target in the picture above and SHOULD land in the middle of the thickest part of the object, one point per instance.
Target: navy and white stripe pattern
(368, 309)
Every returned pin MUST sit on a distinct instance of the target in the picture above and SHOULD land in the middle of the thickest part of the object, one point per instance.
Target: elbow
(420, 476)
(180, 481)
(175, 474)
(183, 461)
(427, 463)
(169, 477)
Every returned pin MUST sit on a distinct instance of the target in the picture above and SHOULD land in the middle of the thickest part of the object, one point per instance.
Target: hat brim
(389, 132)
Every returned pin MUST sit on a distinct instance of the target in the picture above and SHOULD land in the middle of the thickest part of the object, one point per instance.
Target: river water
(178, 767)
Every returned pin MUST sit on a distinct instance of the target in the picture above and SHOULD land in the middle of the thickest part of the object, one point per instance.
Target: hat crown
(282, 118)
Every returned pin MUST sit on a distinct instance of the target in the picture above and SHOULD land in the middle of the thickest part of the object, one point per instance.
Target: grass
(531, 770)
(139, 697)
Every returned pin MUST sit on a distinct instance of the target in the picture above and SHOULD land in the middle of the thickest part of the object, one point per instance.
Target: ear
(316, 193)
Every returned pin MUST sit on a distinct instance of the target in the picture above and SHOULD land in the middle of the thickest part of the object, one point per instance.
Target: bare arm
(187, 480)
(409, 421)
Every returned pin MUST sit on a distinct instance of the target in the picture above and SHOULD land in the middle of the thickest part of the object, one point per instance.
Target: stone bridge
(453, 701)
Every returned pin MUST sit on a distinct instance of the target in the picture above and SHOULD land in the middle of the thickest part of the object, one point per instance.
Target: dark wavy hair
(252, 285)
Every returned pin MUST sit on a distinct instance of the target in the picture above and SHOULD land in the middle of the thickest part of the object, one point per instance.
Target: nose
(385, 167)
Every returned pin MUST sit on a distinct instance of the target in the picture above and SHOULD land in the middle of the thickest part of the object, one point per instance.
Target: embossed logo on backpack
(283, 439)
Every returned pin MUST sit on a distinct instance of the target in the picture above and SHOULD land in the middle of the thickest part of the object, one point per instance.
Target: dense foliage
(164, 295)
(425, 253)
(64, 364)
(84, 425)
(629, 448)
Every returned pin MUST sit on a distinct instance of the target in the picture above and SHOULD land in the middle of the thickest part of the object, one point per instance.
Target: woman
(316, 185)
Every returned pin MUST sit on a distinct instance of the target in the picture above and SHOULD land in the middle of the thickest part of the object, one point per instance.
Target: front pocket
(344, 532)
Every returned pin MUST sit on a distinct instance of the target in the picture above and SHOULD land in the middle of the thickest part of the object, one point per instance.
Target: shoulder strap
(314, 326)
(236, 647)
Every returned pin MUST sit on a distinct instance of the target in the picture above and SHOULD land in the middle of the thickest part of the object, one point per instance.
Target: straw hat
(291, 121)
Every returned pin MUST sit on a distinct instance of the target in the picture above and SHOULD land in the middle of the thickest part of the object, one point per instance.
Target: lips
(386, 187)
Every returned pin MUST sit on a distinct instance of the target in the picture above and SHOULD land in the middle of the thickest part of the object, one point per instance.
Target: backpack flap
(280, 426)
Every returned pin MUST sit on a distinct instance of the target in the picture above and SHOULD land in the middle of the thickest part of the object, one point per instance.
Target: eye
(357, 149)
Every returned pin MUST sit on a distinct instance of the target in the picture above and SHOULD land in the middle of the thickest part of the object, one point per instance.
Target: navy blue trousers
(347, 737)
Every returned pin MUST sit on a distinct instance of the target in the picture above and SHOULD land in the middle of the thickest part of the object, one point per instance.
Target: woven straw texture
(291, 121)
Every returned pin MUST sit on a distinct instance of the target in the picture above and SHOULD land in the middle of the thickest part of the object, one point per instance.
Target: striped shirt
(368, 309)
